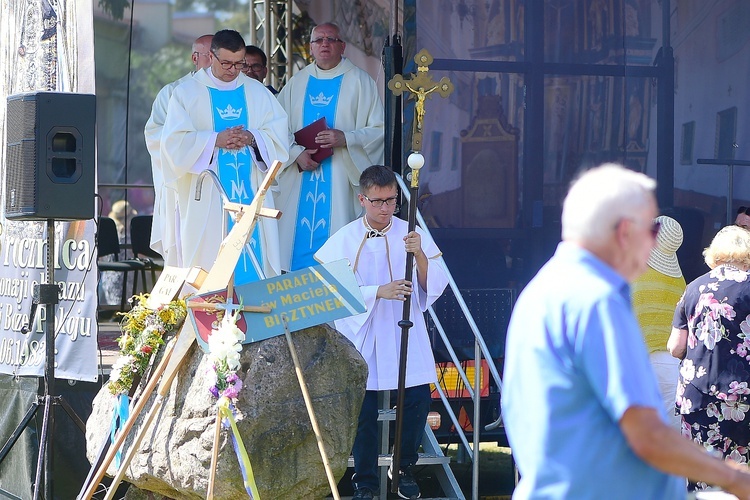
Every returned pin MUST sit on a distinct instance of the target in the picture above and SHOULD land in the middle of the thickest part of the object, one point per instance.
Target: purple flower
(232, 378)
(233, 391)
(215, 391)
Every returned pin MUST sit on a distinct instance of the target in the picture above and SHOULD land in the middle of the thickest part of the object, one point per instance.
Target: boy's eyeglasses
(391, 202)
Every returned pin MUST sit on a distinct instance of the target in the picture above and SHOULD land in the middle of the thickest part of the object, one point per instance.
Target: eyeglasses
(323, 39)
(228, 64)
(201, 53)
(254, 67)
(654, 229)
(391, 202)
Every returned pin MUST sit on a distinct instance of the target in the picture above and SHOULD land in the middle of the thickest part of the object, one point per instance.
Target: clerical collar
(221, 84)
(370, 232)
(331, 69)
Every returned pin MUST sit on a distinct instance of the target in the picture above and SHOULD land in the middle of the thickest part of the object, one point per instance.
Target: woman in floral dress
(710, 333)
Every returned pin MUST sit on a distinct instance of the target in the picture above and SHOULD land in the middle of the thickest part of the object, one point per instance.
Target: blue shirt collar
(573, 252)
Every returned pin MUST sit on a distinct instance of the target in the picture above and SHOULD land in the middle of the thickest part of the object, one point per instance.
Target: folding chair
(140, 239)
(108, 243)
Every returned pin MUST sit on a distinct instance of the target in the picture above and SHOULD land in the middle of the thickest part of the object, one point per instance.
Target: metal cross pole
(420, 86)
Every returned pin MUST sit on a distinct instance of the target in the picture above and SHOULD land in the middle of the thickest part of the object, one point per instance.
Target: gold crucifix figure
(420, 86)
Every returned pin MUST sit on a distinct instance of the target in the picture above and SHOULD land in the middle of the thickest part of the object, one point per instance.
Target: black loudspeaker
(50, 162)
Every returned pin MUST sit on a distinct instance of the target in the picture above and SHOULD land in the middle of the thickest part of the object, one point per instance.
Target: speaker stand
(47, 294)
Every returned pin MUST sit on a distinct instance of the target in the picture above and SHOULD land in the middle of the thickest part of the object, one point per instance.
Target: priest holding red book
(318, 198)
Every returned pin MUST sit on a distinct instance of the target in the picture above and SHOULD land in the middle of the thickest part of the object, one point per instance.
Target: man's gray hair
(600, 198)
(327, 24)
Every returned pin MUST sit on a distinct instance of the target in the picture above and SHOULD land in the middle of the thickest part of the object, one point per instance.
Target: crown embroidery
(320, 100)
(229, 113)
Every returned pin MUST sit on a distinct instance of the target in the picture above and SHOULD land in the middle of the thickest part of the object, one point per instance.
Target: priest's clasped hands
(235, 138)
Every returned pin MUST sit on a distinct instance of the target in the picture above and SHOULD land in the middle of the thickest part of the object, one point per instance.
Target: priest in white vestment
(165, 200)
(317, 199)
(226, 122)
(376, 245)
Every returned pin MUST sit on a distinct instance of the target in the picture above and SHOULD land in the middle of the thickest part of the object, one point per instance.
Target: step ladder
(432, 456)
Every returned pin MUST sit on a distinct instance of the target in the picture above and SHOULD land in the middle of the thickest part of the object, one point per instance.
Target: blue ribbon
(120, 415)
(227, 410)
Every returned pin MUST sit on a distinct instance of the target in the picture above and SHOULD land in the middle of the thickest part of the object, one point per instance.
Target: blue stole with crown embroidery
(314, 210)
(235, 169)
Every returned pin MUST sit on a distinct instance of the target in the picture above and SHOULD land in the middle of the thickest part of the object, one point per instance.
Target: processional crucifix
(420, 86)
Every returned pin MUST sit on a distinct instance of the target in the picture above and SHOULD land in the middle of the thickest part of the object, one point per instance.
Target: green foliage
(210, 5)
(143, 331)
(115, 8)
(149, 72)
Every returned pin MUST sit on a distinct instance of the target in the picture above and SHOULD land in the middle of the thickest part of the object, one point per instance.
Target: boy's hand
(413, 243)
(395, 290)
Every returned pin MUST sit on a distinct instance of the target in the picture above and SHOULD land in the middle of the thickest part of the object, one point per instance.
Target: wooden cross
(420, 86)
(219, 277)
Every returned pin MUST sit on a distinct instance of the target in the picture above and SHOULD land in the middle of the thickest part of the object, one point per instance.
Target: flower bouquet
(224, 348)
(143, 330)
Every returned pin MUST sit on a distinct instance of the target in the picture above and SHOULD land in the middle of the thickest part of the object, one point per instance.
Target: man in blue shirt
(581, 405)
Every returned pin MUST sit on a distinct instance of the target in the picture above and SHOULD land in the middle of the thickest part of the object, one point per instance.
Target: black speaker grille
(21, 190)
(20, 195)
(51, 164)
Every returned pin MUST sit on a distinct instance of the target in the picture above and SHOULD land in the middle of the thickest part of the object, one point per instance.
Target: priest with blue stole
(229, 123)
(317, 199)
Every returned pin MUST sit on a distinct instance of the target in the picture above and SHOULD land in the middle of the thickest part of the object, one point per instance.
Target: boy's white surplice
(375, 333)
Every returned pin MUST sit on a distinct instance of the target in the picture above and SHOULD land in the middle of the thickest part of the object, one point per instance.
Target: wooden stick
(219, 307)
(268, 213)
(310, 411)
(158, 402)
(214, 457)
(161, 394)
(125, 430)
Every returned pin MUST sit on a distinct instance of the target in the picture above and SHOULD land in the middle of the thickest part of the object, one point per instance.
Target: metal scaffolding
(270, 29)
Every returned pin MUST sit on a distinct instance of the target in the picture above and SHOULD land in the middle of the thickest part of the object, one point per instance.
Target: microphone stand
(415, 161)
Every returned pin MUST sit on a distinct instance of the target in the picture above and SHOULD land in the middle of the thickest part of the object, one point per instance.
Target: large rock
(175, 455)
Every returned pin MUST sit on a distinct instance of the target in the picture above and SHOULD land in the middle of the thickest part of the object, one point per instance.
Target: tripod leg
(19, 430)
(43, 450)
(71, 413)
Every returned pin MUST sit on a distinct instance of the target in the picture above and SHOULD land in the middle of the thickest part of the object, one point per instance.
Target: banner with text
(308, 297)
(46, 47)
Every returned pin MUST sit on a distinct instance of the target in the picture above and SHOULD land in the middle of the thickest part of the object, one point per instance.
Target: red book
(306, 137)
